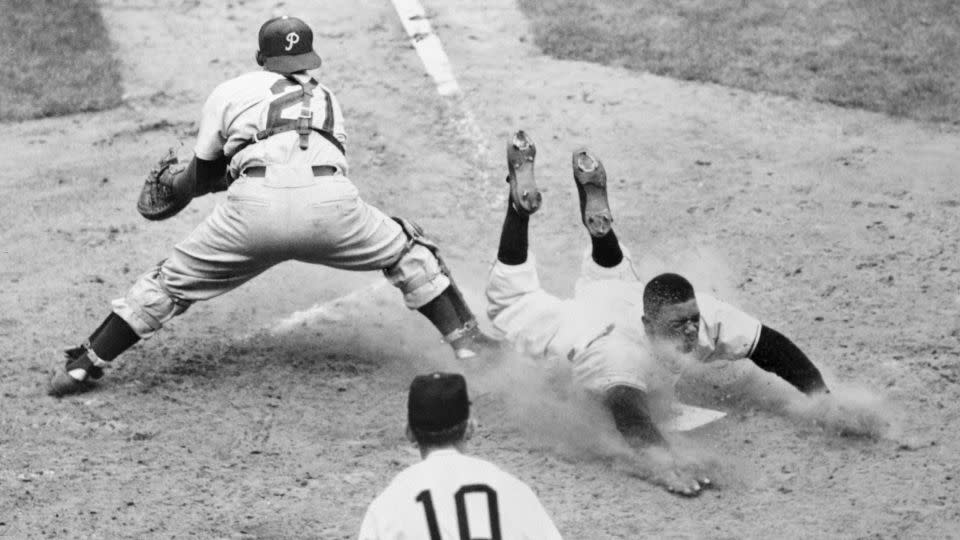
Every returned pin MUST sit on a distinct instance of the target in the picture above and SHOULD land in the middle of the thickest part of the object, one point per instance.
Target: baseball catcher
(625, 341)
(274, 139)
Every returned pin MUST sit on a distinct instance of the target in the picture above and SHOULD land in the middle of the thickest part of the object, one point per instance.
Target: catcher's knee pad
(148, 304)
(419, 272)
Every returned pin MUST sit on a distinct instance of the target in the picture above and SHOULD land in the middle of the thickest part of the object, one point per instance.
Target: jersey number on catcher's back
(292, 101)
(463, 522)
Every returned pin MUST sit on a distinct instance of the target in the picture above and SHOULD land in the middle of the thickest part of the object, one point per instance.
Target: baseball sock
(112, 337)
(513, 237)
(606, 250)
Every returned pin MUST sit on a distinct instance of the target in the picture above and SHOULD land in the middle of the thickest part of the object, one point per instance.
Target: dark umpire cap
(286, 44)
(438, 401)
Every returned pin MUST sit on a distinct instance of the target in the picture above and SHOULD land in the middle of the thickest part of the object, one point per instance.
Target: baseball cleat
(77, 375)
(591, 181)
(473, 344)
(524, 195)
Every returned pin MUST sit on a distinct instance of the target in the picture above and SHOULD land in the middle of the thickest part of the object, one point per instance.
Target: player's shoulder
(498, 474)
(252, 82)
(410, 476)
(396, 488)
(708, 302)
(714, 311)
(477, 466)
(326, 93)
(323, 87)
(477, 462)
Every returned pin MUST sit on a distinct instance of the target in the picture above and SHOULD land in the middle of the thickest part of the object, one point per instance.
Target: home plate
(686, 417)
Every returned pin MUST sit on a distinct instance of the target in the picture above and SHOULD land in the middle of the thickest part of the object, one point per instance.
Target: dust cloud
(848, 410)
(538, 397)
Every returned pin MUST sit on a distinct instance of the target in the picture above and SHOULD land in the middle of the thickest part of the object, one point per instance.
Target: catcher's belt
(318, 170)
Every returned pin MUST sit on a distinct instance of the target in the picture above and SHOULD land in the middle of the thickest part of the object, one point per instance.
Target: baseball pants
(587, 335)
(286, 215)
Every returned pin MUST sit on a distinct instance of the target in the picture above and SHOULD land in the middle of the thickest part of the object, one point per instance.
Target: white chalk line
(437, 64)
(425, 41)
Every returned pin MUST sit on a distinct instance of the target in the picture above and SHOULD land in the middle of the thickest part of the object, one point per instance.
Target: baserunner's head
(670, 311)
(438, 411)
(286, 46)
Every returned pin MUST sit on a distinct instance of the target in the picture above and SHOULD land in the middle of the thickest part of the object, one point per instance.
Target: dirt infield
(838, 228)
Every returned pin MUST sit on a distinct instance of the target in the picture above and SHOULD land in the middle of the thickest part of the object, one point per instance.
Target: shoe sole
(590, 176)
(60, 384)
(521, 153)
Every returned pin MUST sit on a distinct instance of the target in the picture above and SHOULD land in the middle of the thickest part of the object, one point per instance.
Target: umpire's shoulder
(503, 476)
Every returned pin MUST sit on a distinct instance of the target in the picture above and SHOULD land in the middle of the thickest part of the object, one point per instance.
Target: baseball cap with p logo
(437, 401)
(286, 46)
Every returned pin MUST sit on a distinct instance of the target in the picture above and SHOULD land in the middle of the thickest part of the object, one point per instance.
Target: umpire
(449, 494)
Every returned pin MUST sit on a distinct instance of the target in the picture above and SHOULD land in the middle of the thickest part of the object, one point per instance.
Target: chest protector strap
(303, 125)
(305, 120)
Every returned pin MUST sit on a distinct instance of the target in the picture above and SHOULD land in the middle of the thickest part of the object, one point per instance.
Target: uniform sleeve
(368, 528)
(339, 131)
(538, 525)
(734, 333)
(210, 136)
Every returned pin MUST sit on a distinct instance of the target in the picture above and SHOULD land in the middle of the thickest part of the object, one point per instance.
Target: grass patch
(56, 58)
(900, 57)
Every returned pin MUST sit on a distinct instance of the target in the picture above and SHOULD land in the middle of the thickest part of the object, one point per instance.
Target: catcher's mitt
(166, 191)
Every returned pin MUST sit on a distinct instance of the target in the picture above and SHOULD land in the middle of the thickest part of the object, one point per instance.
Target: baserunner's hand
(682, 475)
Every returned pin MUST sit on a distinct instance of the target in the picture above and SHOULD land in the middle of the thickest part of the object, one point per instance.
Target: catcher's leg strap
(450, 314)
(419, 272)
(110, 339)
(148, 305)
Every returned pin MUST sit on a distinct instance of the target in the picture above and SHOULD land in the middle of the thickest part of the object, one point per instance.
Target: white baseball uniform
(453, 496)
(288, 212)
(598, 334)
